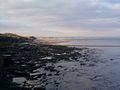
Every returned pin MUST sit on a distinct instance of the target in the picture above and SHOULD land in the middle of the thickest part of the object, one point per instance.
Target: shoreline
(50, 67)
(89, 45)
(30, 56)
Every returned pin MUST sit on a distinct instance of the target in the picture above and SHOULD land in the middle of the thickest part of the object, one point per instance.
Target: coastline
(49, 67)
(30, 56)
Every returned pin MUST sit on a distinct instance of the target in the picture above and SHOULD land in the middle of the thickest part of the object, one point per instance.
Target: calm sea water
(92, 41)
(103, 76)
(104, 56)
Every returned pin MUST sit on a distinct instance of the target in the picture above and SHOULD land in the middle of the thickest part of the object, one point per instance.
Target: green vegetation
(10, 35)
(7, 39)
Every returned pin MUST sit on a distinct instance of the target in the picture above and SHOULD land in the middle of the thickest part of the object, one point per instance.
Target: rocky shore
(35, 66)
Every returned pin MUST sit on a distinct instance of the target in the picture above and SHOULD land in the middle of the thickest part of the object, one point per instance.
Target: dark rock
(1, 64)
(5, 79)
(38, 75)
(49, 68)
(20, 74)
(111, 59)
(57, 74)
(60, 66)
(32, 38)
(19, 88)
(14, 38)
(82, 63)
(7, 60)
(50, 74)
(31, 64)
(91, 64)
(39, 88)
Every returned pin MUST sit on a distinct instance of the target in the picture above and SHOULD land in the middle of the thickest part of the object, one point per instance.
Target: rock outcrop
(14, 38)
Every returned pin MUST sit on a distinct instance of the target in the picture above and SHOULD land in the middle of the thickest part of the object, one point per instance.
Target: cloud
(116, 7)
(9, 23)
(62, 17)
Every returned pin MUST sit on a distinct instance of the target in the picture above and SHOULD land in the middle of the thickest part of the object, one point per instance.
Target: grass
(10, 35)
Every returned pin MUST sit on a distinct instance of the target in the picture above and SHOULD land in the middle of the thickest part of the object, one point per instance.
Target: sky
(61, 18)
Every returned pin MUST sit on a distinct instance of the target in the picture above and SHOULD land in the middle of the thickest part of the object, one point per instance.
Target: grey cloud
(7, 23)
(85, 14)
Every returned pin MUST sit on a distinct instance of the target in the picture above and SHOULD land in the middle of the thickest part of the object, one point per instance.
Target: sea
(99, 70)
(105, 75)
(90, 42)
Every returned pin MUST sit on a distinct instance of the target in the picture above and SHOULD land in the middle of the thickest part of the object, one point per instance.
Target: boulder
(7, 60)
(1, 64)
